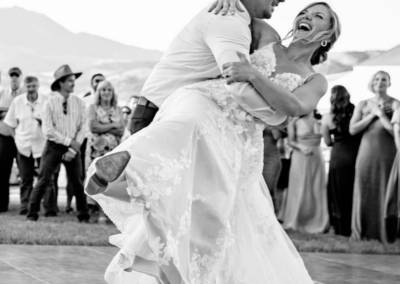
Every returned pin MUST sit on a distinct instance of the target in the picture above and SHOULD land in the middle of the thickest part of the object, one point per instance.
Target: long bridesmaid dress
(306, 205)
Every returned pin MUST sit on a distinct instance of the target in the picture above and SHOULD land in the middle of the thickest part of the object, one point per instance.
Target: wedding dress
(200, 211)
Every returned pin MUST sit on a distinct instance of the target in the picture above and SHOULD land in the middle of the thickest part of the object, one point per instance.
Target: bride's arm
(300, 102)
(226, 36)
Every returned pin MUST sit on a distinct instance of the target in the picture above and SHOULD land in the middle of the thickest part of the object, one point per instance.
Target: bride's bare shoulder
(264, 32)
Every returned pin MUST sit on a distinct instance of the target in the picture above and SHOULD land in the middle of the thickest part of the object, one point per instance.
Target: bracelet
(72, 151)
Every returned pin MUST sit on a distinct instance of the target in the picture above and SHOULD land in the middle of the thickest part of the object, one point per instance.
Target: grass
(61, 230)
(66, 230)
(331, 243)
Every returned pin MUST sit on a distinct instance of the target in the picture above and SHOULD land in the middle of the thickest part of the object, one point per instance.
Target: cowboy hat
(62, 72)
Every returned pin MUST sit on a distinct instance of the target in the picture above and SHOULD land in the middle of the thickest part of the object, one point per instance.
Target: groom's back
(188, 60)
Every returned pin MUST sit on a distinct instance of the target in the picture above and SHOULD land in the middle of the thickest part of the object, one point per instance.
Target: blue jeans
(51, 158)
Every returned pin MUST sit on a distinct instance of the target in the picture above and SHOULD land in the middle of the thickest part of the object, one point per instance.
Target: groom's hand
(224, 6)
(240, 71)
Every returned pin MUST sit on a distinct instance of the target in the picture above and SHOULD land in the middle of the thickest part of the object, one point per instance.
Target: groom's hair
(331, 35)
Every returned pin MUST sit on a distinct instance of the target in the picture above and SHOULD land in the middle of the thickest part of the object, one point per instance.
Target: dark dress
(272, 161)
(341, 180)
(392, 200)
(374, 163)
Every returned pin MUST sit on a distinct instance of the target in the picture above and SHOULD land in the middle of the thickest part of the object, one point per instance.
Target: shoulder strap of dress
(309, 76)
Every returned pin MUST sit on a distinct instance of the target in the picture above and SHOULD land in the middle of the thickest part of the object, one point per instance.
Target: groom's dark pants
(142, 115)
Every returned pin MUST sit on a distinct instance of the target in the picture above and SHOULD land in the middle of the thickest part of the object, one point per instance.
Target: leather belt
(142, 101)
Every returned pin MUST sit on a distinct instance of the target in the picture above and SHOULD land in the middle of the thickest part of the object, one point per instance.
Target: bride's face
(311, 21)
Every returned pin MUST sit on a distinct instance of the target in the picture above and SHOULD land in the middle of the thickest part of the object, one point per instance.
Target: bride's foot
(108, 169)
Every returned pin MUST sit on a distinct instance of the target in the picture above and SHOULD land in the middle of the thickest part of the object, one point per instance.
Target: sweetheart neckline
(303, 79)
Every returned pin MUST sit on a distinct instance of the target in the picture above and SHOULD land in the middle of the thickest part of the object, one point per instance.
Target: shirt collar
(38, 100)
(58, 94)
(11, 90)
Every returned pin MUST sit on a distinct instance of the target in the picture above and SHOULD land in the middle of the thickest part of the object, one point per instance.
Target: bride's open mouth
(304, 26)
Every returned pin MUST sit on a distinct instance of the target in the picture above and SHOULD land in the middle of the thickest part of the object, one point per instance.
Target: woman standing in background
(106, 125)
(392, 199)
(306, 205)
(375, 159)
(272, 161)
(343, 159)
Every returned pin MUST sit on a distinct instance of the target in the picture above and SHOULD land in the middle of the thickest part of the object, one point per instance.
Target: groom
(197, 54)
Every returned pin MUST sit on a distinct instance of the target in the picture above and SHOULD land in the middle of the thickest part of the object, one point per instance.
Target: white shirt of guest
(7, 95)
(88, 99)
(22, 116)
(198, 53)
(63, 128)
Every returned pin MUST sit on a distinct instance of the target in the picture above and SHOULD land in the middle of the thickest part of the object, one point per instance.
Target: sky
(152, 24)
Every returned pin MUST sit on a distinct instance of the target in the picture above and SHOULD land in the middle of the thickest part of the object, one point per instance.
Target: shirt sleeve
(49, 130)
(11, 116)
(226, 36)
(81, 130)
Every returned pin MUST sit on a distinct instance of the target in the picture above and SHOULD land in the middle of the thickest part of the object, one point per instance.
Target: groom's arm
(225, 36)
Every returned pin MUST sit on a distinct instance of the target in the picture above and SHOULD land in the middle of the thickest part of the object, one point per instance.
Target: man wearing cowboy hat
(64, 126)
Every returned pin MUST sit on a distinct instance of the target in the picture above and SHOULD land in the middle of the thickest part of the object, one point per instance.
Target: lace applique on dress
(159, 179)
(264, 60)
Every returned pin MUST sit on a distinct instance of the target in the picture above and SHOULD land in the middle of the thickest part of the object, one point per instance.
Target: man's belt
(142, 101)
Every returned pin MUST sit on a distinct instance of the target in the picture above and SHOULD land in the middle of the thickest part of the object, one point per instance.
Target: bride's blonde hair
(331, 35)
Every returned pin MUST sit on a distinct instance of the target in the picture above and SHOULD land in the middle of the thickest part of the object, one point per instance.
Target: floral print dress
(100, 144)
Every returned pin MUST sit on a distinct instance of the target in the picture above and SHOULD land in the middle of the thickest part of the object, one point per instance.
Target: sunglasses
(14, 75)
(98, 81)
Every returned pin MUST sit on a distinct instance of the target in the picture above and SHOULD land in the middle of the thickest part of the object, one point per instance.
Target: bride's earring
(324, 43)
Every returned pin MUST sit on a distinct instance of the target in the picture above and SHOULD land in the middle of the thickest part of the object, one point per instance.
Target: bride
(196, 208)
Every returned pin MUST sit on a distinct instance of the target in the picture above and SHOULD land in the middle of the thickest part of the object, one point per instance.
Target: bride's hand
(241, 71)
(224, 6)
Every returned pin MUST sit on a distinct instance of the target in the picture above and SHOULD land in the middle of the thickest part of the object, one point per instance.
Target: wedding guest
(143, 112)
(272, 161)
(106, 125)
(8, 149)
(335, 131)
(25, 118)
(392, 199)
(64, 126)
(375, 158)
(306, 207)
(285, 153)
(88, 99)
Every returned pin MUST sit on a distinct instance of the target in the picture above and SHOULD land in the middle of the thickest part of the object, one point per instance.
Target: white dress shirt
(63, 128)
(198, 53)
(22, 116)
(7, 95)
(88, 99)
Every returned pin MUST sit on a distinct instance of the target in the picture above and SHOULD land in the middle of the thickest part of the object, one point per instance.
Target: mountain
(344, 61)
(39, 45)
(36, 43)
